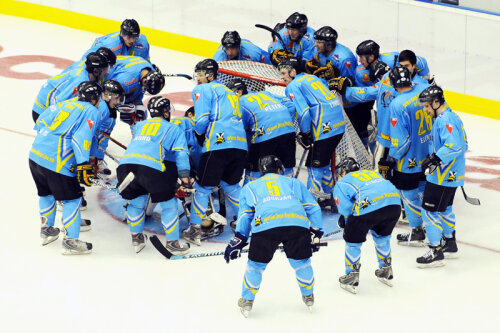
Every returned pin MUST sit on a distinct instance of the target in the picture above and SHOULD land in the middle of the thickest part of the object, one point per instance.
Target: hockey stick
(113, 140)
(472, 201)
(274, 33)
(179, 75)
(101, 183)
(109, 155)
(222, 202)
(333, 233)
(167, 254)
(302, 158)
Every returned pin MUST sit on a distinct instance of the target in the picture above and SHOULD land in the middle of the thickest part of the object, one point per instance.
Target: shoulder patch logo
(394, 121)
(75, 91)
(291, 97)
(347, 64)
(449, 127)
(337, 200)
(196, 96)
(90, 123)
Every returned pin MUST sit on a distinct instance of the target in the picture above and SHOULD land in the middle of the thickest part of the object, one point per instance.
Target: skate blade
(310, 308)
(216, 217)
(412, 243)
(244, 312)
(386, 281)
(437, 263)
(49, 239)
(451, 255)
(138, 248)
(74, 252)
(193, 241)
(84, 228)
(349, 288)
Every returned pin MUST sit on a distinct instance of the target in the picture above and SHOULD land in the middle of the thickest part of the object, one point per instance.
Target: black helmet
(108, 54)
(368, 47)
(348, 164)
(153, 82)
(237, 84)
(270, 164)
(400, 77)
(289, 63)
(327, 35)
(131, 28)
(231, 39)
(114, 89)
(209, 66)
(297, 21)
(94, 61)
(378, 70)
(429, 94)
(89, 91)
(158, 105)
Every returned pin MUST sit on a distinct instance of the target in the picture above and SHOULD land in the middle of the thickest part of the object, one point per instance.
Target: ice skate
(75, 246)
(309, 301)
(211, 228)
(350, 281)
(415, 237)
(176, 248)
(449, 245)
(384, 274)
(139, 241)
(85, 225)
(403, 219)
(48, 234)
(193, 234)
(245, 306)
(433, 258)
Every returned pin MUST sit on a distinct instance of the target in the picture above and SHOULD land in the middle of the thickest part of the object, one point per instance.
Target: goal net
(262, 77)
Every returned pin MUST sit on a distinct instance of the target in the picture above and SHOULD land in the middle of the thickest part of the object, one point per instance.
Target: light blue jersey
(186, 125)
(218, 116)
(127, 72)
(276, 201)
(115, 43)
(362, 192)
(410, 130)
(106, 125)
(317, 107)
(152, 139)
(342, 58)
(449, 142)
(303, 49)
(60, 88)
(248, 52)
(266, 116)
(64, 136)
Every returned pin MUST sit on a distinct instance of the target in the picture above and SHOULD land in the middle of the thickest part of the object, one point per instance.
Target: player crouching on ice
(366, 202)
(276, 209)
(154, 175)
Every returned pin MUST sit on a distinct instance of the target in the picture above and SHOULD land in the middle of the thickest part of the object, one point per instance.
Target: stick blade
(159, 246)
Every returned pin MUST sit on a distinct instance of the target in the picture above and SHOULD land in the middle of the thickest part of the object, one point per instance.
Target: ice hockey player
(65, 86)
(104, 51)
(321, 123)
(366, 202)
(59, 163)
(410, 132)
(445, 169)
(268, 120)
(276, 210)
(136, 76)
(219, 129)
(234, 48)
(154, 175)
(297, 36)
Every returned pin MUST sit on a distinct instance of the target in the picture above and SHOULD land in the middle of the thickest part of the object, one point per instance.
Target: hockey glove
(430, 163)
(311, 66)
(377, 70)
(305, 140)
(233, 249)
(340, 84)
(278, 55)
(127, 113)
(84, 172)
(385, 168)
(316, 234)
(140, 113)
(341, 222)
(200, 138)
(184, 190)
(156, 68)
(327, 72)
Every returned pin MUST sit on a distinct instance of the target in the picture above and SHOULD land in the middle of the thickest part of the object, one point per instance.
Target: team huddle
(233, 135)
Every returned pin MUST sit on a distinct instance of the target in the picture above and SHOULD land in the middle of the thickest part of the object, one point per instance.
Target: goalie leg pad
(200, 203)
(71, 217)
(48, 209)
(136, 214)
(170, 219)
(252, 279)
(304, 274)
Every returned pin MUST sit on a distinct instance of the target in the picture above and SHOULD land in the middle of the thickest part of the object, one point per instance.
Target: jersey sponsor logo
(366, 77)
(452, 176)
(220, 138)
(196, 96)
(336, 57)
(258, 221)
(90, 123)
(394, 121)
(365, 203)
(127, 83)
(117, 48)
(139, 46)
(449, 127)
(412, 163)
(261, 131)
(326, 127)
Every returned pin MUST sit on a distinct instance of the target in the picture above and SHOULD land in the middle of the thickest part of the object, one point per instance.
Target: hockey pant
(353, 251)
(200, 201)
(412, 203)
(250, 176)
(320, 178)
(438, 224)
(253, 277)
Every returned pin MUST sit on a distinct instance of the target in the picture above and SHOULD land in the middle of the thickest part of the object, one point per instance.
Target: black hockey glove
(278, 55)
(430, 163)
(341, 222)
(316, 234)
(385, 168)
(84, 172)
(200, 138)
(311, 66)
(305, 140)
(327, 72)
(377, 70)
(340, 84)
(233, 249)
(156, 68)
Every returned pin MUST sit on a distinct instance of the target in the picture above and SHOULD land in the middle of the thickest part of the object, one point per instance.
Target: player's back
(364, 191)
(343, 59)
(265, 115)
(127, 72)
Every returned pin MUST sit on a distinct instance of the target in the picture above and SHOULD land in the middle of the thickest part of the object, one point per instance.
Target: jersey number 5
(273, 188)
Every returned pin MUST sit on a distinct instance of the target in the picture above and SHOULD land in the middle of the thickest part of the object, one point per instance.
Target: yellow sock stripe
(133, 223)
(172, 228)
(450, 224)
(198, 210)
(252, 290)
(307, 286)
(235, 202)
(432, 221)
(50, 209)
(67, 225)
